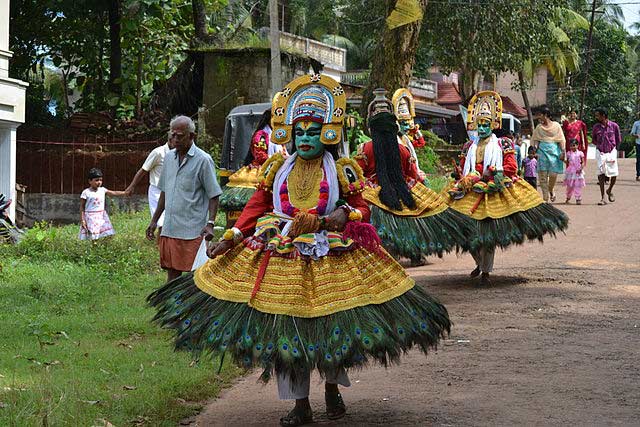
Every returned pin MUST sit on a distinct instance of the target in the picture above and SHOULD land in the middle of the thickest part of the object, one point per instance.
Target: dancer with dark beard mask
(412, 220)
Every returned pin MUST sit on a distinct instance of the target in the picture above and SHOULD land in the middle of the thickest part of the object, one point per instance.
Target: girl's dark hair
(393, 187)
(531, 150)
(265, 120)
(94, 173)
(573, 141)
(603, 112)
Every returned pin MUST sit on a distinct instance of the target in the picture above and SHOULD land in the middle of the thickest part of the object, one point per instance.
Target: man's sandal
(612, 198)
(336, 408)
(602, 202)
(297, 417)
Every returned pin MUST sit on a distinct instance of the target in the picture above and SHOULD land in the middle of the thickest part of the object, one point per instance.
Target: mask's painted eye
(350, 173)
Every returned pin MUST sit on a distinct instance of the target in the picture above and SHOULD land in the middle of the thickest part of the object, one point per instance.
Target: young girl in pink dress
(574, 174)
(94, 220)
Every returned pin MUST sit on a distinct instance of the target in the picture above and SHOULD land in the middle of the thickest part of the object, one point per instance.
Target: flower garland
(321, 207)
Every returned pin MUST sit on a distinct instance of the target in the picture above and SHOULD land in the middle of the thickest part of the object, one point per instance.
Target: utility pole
(588, 64)
(274, 36)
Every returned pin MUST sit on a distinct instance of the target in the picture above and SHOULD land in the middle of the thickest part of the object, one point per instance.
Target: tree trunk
(115, 59)
(200, 20)
(393, 58)
(65, 92)
(525, 98)
(139, 84)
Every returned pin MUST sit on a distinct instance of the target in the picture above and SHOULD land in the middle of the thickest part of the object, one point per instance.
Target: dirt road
(555, 340)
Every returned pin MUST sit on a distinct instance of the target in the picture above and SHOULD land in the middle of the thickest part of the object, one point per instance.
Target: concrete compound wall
(65, 208)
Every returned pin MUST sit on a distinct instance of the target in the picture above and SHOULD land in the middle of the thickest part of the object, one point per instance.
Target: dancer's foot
(475, 272)
(298, 416)
(602, 202)
(552, 197)
(484, 279)
(417, 262)
(566, 202)
(579, 202)
(336, 408)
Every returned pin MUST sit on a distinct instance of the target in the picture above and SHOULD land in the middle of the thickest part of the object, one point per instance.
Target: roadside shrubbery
(77, 346)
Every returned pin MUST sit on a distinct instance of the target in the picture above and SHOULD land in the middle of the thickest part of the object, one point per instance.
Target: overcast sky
(630, 11)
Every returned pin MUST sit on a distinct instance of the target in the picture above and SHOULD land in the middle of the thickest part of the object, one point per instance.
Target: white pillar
(8, 166)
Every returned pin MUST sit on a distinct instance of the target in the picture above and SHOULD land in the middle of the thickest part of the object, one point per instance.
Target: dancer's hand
(337, 220)
(219, 248)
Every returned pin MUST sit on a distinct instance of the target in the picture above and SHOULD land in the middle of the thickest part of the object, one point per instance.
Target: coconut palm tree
(560, 56)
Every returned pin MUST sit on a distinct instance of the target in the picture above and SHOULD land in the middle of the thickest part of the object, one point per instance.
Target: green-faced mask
(308, 145)
(484, 129)
(405, 125)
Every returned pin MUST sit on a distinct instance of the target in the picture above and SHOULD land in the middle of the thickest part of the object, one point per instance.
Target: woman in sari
(549, 141)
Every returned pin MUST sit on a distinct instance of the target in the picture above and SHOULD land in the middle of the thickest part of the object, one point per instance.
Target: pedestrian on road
(94, 220)
(576, 129)
(152, 166)
(574, 174)
(635, 132)
(606, 137)
(549, 141)
(189, 199)
(530, 165)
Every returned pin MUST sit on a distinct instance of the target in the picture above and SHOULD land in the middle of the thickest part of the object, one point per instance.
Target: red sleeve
(509, 165)
(366, 160)
(409, 168)
(260, 203)
(356, 201)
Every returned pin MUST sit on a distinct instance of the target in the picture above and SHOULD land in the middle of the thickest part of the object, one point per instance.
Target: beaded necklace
(323, 198)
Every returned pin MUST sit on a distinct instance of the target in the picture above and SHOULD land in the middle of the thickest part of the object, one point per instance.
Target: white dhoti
(154, 195)
(607, 163)
(290, 390)
(484, 259)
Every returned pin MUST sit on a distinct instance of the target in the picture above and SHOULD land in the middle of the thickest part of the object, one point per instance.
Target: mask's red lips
(305, 147)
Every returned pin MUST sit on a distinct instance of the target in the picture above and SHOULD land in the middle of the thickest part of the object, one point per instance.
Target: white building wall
(12, 100)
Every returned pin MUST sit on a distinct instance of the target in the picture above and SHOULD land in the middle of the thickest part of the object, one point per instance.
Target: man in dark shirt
(606, 137)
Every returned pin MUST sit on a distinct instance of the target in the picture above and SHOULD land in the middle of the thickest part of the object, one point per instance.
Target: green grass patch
(76, 344)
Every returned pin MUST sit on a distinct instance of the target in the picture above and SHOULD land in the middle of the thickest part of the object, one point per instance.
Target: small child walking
(574, 173)
(94, 220)
(530, 165)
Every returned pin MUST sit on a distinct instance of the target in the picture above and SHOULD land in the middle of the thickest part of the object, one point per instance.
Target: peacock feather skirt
(241, 186)
(514, 215)
(292, 314)
(432, 228)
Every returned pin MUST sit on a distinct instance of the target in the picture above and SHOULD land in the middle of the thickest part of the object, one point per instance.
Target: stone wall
(242, 76)
(65, 208)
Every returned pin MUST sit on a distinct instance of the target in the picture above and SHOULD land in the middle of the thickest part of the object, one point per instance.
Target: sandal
(297, 417)
(336, 408)
(579, 202)
(475, 273)
(553, 197)
(602, 202)
(612, 198)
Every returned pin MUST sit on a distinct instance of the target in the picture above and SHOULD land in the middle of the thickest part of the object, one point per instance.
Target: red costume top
(367, 161)
(509, 164)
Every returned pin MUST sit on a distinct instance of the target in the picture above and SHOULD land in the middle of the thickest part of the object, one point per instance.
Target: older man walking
(189, 199)
(152, 166)
(606, 137)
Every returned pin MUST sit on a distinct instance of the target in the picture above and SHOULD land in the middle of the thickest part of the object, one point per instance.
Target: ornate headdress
(317, 98)
(487, 105)
(380, 103)
(403, 110)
